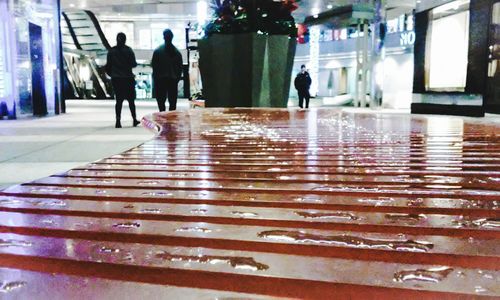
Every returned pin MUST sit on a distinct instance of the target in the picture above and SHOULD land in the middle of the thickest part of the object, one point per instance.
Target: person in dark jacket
(119, 65)
(302, 85)
(167, 70)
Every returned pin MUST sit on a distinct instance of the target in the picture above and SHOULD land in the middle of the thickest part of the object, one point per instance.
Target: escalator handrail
(102, 85)
(98, 28)
(71, 31)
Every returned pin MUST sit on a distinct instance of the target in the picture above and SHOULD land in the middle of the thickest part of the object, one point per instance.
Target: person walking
(167, 70)
(302, 85)
(119, 65)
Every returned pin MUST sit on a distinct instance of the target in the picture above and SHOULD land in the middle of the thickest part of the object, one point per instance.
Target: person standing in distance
(119, 65)
(302, 85)
(167, 70)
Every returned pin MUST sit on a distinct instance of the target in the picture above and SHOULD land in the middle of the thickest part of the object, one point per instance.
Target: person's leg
(308, 97)
(131, 101)
(118, 112)
(131, 105)
(172, 94)
(161, 94)
(118, 89)
(301, 99)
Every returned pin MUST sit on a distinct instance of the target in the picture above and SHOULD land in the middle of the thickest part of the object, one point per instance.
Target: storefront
(29, 58)
(453, 56)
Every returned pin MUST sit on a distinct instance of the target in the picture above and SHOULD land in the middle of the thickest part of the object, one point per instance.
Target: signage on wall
(407, 38)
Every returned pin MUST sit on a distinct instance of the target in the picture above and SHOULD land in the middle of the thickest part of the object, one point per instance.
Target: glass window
(392, 25)
(145, 39)
(178, 29)
(410, 23)
(111, 29)
(495, 16)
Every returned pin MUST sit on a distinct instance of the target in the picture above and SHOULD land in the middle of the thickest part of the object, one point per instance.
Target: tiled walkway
(34, 148)
(319, 204)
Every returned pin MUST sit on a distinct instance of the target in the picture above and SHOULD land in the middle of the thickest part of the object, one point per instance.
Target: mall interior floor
(38, 147)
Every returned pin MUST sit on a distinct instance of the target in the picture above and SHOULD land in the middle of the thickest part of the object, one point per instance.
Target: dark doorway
(38, 96)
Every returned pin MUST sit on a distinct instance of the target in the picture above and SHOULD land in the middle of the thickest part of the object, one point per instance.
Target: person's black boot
(118, 124)
(136, 123)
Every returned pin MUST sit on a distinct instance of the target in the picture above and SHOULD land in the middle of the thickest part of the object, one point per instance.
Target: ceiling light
(329, 6)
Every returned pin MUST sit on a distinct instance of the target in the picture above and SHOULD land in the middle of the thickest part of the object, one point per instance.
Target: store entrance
(39, 98)
(493, 91)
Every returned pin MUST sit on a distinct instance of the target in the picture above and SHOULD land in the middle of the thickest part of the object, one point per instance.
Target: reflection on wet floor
(273, 203)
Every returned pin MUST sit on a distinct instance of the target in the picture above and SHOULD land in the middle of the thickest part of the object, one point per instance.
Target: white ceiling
(185, 7)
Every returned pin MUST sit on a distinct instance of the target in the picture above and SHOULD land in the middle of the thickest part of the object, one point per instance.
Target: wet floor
(263, 203)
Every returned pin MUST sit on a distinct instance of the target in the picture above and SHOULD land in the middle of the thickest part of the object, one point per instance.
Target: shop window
(446, 56)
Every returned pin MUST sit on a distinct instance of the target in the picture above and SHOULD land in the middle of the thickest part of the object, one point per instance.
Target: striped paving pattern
(266, 203)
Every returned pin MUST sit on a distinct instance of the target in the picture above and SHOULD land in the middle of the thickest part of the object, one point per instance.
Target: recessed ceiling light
(329, 6)
(72, 5)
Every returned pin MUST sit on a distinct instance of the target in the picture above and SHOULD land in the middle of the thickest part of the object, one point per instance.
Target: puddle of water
(105, 249)
(127, 225)
(96, 181)
(242, 214)
(245, 263)
(157, 194)
(347, 240)
(194, 229)
(10, 202)
(151, 211)
(377, 202)
(406, 218)
(49, 190)
(58, 203)
(15, 243)
(9, 287)
(434, 275)
(148, 182)
(332, 215)
(478, 223)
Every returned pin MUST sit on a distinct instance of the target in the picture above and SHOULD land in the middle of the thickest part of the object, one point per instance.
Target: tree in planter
(247, 55)
(262, 16)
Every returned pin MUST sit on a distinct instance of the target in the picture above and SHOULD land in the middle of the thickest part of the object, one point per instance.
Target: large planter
(246, 70)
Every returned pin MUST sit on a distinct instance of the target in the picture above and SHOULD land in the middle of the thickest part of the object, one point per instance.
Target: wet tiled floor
(262, 203)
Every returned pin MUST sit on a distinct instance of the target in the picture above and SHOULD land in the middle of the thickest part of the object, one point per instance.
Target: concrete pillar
(314, 52)
(379, 29)
(366, 65)
(357, 98)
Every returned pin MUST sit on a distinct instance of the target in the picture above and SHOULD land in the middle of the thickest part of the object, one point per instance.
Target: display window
(447, 53)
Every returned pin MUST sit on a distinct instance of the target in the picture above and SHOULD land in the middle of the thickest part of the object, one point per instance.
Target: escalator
(84, 49)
